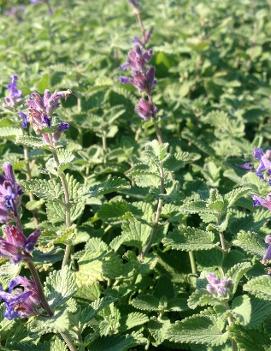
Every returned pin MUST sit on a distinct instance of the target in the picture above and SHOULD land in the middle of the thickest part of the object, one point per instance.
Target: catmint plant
(25, 297)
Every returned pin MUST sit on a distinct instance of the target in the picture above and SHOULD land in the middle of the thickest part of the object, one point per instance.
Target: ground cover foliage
(157, 244)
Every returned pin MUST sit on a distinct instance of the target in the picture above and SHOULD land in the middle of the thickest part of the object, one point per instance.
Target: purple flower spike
(146, 109)
(10, 195)
(22, 299)
(218, 287)
(14, 94)
(24, 118)
(40, 110)
(15, 246)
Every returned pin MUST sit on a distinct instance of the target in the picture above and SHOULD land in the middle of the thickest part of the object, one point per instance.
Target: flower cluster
(142, 76)
(218, 287)
(22, 299)
(10, 195)
(263, 164)
(40, 111)
(14, 94)
(15, 245)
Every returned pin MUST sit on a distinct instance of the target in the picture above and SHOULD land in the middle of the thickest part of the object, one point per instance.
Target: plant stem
(233, 342)
(222, 242)
(67, 208)
(192, 262)
(104, 143)
(29, 177)
(140, 22)
(158, 132)
(50, 9)
(68, 341)
(38, 284)
(157, 214)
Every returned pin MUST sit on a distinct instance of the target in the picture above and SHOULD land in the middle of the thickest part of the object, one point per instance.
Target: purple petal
(31, 241)
(258, 153)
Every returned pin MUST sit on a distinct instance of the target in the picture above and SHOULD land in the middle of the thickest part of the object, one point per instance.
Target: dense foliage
(146, 233)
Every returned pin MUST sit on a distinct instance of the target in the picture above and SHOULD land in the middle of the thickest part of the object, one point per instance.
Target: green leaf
(58, 345)
(242, 309)
(198, 330)
(31, 141)
(201, 297)
(236, 273)
(48, 189)
(56, 209)
(135, 319)
(259, 287)
(6, 132)
(190, 239)
(250, 242)
(134, 233)
(114, 343)
(260, 311)
(60, 287)
(108, 186)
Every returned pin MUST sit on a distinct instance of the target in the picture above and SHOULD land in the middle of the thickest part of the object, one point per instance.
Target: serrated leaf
(202, 297)
(259, 287)
(58, 345)
(242, 309)
(135, 319)
(6, 132)
(48, 189)
(197, 330)
(236, 273)
(114, 343)
(108, 186)
(134, 233)
(31, 141)
(190, 239)
(250, 242)
(60, 287)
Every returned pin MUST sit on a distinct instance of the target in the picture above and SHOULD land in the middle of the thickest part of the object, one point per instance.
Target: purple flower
(21, 300)
(14, 95)
(146, 109)
(138, 58)
(24, 118)
(10, 194)
(15, 245)
(40, 110)
(259, 201)
(218, 287)
(142, 75)
(247, 166)
(267, 254)
(257, 153)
